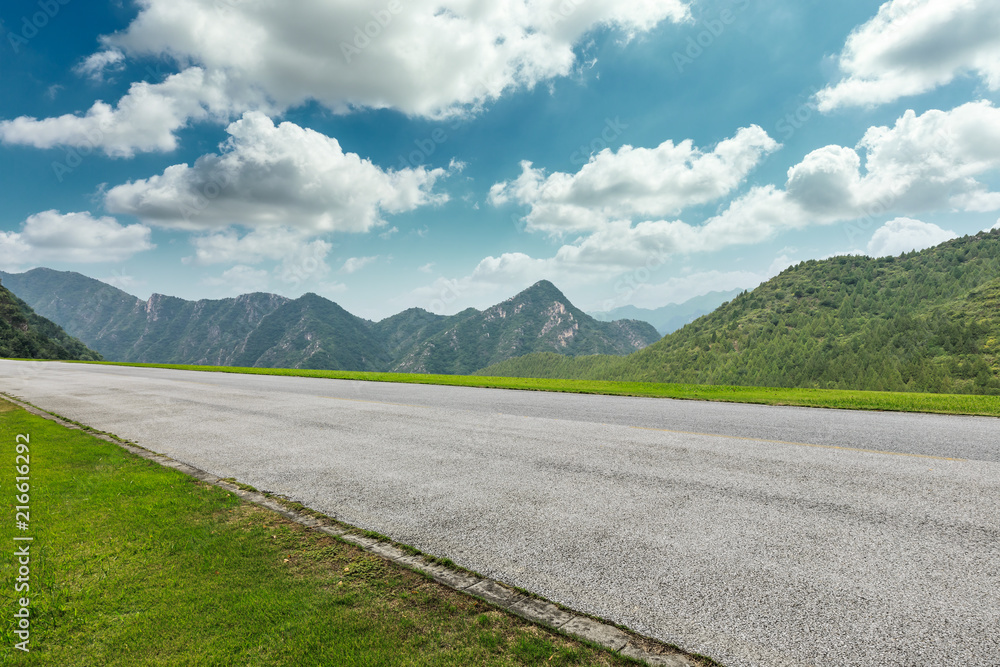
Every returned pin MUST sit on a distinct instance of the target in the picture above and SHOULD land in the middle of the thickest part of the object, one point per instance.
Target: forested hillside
(927, 321)
(26, 335)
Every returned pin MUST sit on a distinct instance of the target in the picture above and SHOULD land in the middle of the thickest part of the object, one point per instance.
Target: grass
(958, 404)
(136, 564)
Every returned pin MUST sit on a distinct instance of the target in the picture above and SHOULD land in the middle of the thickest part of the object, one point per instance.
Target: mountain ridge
(262, 329)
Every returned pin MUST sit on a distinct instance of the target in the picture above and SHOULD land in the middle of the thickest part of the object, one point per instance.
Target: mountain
(927, 321)
(671, 317)
(162, 329)
(538, 319)
(267, 330)
(404, 331)
(312, 332)
(26, 335)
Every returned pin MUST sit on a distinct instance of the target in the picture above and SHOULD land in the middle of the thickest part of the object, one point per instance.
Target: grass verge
(956, 404)
(136, 564)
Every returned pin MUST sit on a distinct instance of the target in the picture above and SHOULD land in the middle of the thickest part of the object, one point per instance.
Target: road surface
(755, 535)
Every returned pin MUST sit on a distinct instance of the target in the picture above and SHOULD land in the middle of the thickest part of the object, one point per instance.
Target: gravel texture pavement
(754, 535)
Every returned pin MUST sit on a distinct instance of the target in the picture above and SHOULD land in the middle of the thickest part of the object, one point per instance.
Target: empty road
(755, 535)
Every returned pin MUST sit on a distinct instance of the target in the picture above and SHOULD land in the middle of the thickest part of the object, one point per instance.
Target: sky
(450, 153)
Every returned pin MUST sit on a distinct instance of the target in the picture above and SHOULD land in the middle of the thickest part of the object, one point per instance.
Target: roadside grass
(136, 564)
(957, 404)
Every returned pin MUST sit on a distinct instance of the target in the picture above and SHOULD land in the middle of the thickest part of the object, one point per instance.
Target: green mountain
(313, 332)
(668, 319)
(538, 319)
(163, 329)
(404, 331)
(266, 330)
(927, 321)
(26, 335)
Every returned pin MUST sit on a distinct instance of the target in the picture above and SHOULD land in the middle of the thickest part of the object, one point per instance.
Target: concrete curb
(530, 608)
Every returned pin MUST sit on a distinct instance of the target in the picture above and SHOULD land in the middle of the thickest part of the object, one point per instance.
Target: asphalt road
(755, 535)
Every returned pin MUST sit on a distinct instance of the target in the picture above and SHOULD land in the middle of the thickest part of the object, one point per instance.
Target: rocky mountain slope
(267, 330)
(539, 319)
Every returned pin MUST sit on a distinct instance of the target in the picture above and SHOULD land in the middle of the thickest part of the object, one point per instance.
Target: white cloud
(241, 279)
(296, 256)
(144, 120)
(95, 65)
(426, 268)
(268, 243)
(905, 235)
(52, 236)
(423, 57)
(387, 234)
(276, 175)
(355, 264)
(124, 282)
(928, 162)
(924, 162)
(634, 182)
(913, 46)
(307, 264)
(293, 258)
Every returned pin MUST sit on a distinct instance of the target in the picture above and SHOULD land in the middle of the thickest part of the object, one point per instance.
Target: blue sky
(447, 154)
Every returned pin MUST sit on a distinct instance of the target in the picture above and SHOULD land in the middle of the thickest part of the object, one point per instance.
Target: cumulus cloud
(934, 161)
(293, 255)
(144, 120)
(928, 162)
(905, 235)
(634, 182)
(95, 65)
(52, 236)
(431, 58)
(423, 57)
(276, 175)
(913, 46)
(259, 245)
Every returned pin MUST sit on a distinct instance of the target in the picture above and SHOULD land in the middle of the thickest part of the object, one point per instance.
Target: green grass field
(958, 404)
(136, 564)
